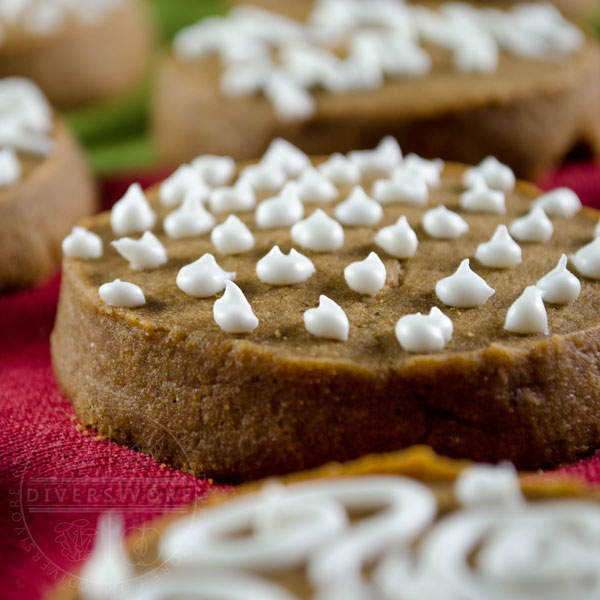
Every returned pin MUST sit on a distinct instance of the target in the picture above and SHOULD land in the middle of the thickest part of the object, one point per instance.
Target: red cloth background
(55, 478)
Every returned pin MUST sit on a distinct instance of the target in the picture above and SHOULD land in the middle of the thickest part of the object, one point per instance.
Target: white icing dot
(398, 240)
(340, 170)
(190, 219)
(290, 100)
(496, 175)
(132, 213)
(405, 187)
(232, 312)
(358, 209)
(264, 177)
(282, 210)
(10, 167)
(238, 198)
(483, 199)
(313, 186)
(429, 170)
(382, 159)
(286, 156)
(145, 253)
(173, 190)
(214, 170)
(424, 333)
(560, 202)
(587, 259)
(559, 286)
(463, 289)
(81, 243)
(122, 294)
(366, 276)
(203, 278)
(533, 227)
(327, 321)
(319, 233)
(527, 314)
(442, 223)
(232, 236)
(501, 252)
(277, 268)
(484, 485)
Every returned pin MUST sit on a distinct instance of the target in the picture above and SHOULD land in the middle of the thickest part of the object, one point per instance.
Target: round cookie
(82, 52)
(165, 377)
(46, 186)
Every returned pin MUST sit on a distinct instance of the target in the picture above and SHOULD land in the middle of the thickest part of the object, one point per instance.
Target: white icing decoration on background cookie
(501, 252)
(286, 156)
(404, 187)
(464, 288)
(533, 227)
(587, 259)
(366, 276)
(358, 209)
(442, 223)
(190, 219)
(484, 200)
(290, 101)
(560, 202)
(340, 170)
(232, 312)
(81, 243)
(313, 186)
(559, 286)
(203, 278)
(122, 294)
(399, 240)
(382, 159)
(132, 213)
(318, 232)
(10, 167)
(214, 170)
(237, 198)
(174, 188)
(527, 314)
(597, 230)
(232, 236)
(282, 210)
(145, 253)
(277, 268)
(489, 485)
(496, 175)
(327, 321)
(264, 177)
(424, 333)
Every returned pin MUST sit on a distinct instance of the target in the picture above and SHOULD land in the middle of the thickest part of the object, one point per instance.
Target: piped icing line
(495, 175)
(464, 288)
(237, 198)
(203, 278)
(424, 333)
(81, 243)
(132, 213)
(142, 254)
(122, 294)
(191, 219)
(277, 268)
(398, 240)
(382, 159)
(174, 189)
(313, 186)
(404, 187)
(533, 227)
(366, 276)
(527, 314)
(500, 252)
(10, 167)
(214, 170)
(441, 223)
(328, 320)
(319, 232)
(587, 259)
(232, 311)
(358, 209)
(340, 170)
(282, 210)
(559, 286)
(559, 202)
(232, 236)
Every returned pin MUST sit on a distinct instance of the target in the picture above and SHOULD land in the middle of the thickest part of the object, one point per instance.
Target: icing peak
(501, 252)
(527, 314)
(327, 321)
(559, 286)
(424, 333)
(358, 209)
(587, 259)
(122, 294)
(533, 227)
(232, 312)
(190, 219)
(81, 243)
(203, 278)
(174, 188)
(366, 276)
(463, 289)
(145, 253)
(560, 202)
(215, 170)
(282, 210)
(277, 268)
(313, 186)
(232, 236)
(405, 187)
(340, 170)
(382, 159)
(319, 233)
(398, 240)
(442, 223)
(132, 213)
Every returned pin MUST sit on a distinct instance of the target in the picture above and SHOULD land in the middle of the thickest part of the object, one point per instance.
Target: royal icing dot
(232, 236)
(214, 170)
(327, 321)
(560, 202)
(358, 209)
(533, 227)
(174, 189)
(484, 200)
(496, 175)
(485, 485)
(559, 286)
(10, 167)
(81, 243)
(424, 333)
(277, 268)
(266, 178)
(145, 253)
(313, 186)
(366, 276)
(280, 211)
(132, 213)
(429, 170)
(587, 259)
(398, 240)
(203, 278)
(237, 198)
(319, 233)
(404, 187)
(232, 311)
(501, 252)
(463, 289)
(286, 156)
(527, 314)
(442, 223)
(122, 294)
(382, 159)
(340, 170)
(190, 219)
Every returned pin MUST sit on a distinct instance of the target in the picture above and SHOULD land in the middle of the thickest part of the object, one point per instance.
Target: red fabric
(55, 479)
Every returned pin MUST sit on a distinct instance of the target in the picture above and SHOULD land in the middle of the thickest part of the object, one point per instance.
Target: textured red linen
(55, 478)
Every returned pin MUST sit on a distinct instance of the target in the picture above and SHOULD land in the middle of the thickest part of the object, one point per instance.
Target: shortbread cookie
(316, 350)
(408, 526)
(77, 52)
(45, 186)
(456, 82)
